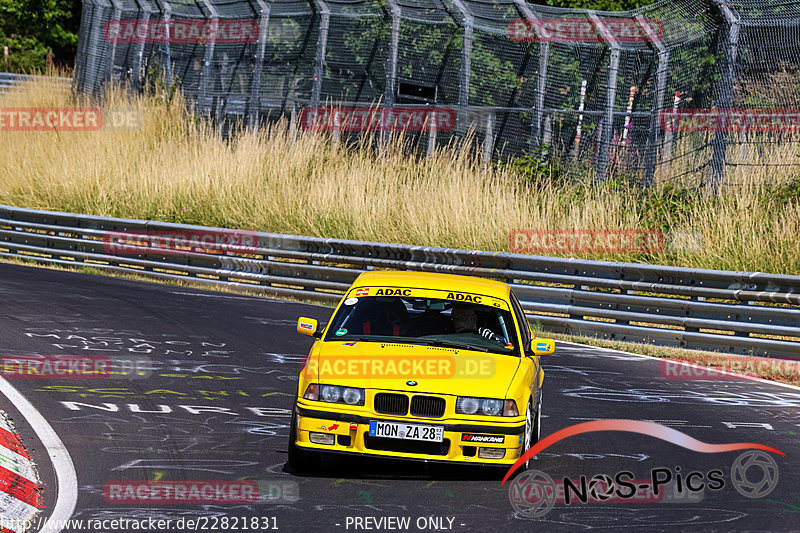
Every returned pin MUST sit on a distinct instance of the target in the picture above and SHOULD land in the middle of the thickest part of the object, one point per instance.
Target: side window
(523, 321)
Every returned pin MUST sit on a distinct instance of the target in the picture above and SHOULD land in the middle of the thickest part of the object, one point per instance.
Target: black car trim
(459, 428)
(381, 457)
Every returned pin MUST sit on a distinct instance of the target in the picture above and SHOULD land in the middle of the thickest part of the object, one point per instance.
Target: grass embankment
(279, 180)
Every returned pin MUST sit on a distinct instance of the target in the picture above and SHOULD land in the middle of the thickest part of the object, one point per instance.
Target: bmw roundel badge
(411, 383)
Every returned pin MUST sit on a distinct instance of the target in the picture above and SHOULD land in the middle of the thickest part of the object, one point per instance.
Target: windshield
(429, 321)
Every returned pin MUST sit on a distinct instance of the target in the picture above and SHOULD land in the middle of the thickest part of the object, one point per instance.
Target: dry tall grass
(173, 169)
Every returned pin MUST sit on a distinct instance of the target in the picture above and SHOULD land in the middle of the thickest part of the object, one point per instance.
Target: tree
(31, 28)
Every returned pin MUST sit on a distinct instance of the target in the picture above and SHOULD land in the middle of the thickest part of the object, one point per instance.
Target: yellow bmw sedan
(420, 366)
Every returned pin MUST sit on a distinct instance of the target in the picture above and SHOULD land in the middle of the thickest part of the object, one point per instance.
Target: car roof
(432, 280)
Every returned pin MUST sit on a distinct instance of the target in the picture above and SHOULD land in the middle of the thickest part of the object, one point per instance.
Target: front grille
(407, 446)
(391, 404)
(427, 406)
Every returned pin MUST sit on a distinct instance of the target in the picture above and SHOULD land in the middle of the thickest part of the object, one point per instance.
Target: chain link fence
(681, 87)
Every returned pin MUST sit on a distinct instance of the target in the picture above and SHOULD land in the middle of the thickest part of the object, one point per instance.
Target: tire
(526, 443)
(300, 460)
(537, 422)
(533, 427)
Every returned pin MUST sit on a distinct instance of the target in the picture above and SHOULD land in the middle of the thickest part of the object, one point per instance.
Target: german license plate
(395, 430)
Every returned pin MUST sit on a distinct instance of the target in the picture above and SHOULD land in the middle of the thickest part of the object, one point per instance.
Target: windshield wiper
(452, 344)
(416, 340)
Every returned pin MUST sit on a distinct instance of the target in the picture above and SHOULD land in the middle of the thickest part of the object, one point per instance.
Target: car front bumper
(351, 436)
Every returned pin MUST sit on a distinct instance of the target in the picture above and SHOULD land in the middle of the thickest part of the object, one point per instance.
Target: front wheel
(533, 427)
(300, 460)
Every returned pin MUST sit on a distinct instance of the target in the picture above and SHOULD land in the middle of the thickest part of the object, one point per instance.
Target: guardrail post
(611, 96)
(651, 151)
(322, 45)
(466, 67)
(730, 44)
(254, 102)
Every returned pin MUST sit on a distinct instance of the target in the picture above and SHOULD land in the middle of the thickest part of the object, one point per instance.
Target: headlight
(335, 394)
(467, 405)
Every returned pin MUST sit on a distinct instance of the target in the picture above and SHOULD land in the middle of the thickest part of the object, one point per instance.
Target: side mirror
(307, 326)
(543, 346)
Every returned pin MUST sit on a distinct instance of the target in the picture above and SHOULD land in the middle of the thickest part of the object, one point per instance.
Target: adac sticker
(362, 292)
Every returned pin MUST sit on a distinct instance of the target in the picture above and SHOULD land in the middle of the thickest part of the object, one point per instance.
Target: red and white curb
(20, 486)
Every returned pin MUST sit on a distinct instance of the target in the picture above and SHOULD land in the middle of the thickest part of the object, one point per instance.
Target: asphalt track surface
(243, 353)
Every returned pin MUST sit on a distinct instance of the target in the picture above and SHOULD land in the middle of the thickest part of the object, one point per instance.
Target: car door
(533, 366)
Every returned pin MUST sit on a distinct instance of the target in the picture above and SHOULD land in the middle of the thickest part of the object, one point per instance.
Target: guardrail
(9, 80)
(734, 312)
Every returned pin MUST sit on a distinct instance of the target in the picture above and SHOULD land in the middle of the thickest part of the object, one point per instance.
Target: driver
(465, 320)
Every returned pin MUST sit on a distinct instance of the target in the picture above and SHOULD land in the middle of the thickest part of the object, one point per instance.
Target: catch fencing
(598, 90)
(734, 312)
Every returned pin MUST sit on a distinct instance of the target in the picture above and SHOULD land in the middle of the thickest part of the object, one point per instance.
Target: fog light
(491, 453)
(321, 438)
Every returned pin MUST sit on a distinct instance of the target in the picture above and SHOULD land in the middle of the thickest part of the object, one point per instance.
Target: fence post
(94, 54)
(651, 151)
(488, 139)
(725, 90)
(611, 96)
(254, 102)
(117, 15)
(394, 44)
(322, 44)
(144, 8)
(466, 67)
(166, 9)
(541, 75)
(208, 56)
(391, 67)
(432, 126)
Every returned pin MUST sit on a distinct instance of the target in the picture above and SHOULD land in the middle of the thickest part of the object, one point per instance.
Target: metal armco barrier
(12, 81)
(733, 312)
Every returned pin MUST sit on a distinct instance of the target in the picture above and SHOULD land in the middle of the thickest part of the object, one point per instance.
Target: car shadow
(359, 467)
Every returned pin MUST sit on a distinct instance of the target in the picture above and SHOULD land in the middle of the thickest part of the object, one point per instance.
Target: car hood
(413, 368)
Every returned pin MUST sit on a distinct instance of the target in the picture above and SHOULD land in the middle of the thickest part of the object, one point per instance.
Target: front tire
(533, 427)
(300, 460)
